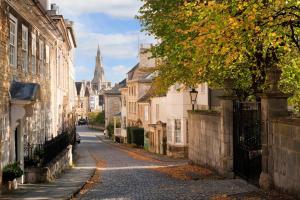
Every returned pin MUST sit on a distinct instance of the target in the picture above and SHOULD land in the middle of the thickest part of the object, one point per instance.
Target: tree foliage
(96, 118)
(213, 41)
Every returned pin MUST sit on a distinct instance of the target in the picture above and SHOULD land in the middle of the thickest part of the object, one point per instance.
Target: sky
(111, 24)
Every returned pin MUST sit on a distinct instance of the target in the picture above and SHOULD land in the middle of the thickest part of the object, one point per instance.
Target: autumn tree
(214, 41)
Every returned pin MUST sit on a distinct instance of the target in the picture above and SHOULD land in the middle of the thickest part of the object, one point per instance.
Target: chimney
(45, 4)
(54, 10)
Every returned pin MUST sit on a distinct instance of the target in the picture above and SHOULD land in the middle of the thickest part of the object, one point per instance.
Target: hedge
(135, 135)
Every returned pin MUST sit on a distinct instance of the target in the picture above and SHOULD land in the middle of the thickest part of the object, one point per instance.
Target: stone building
(112, 102)
(35, 54)
(123, 120)
(167, 132)
(138, 84)
(82, 104)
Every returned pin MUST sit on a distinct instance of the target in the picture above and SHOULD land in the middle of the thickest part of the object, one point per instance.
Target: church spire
(99, 71)
(98, 52)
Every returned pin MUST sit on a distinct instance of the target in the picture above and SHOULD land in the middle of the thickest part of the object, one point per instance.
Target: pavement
(68, 184)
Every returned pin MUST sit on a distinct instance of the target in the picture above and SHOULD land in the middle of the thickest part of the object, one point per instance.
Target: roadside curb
(147, 154)
(76, 192)
(91, 174)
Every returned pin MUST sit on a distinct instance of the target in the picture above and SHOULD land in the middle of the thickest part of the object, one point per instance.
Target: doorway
(18, 144)
(247, 140)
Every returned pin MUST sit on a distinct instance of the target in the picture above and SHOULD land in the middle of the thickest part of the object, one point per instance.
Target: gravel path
(125, 177)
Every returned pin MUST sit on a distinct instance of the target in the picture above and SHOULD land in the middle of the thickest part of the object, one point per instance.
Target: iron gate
(247, 140)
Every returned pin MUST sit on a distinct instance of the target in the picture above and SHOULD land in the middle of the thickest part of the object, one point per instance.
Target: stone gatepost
(273, 105)
(226, 136)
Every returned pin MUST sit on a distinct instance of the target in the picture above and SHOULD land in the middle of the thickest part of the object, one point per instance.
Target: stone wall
(204, 139)
(47, 174)
(177, 151)
(285, 165)
(211, 138)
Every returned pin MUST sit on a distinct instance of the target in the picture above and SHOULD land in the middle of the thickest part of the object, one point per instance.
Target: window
(124, 122)
(134, 91)
(177, 130)
(124, 101)
(41, 53)
(25, 48)
(146, 113)
(33, 53)
(47, 61)
(202, 88)
(13, 27)
(4, 127)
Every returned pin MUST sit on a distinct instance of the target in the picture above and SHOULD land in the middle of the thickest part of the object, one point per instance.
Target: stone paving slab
(70, 182)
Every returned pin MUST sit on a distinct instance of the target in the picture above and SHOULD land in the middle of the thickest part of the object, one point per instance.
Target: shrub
(11, 171)
(96, 118)
(135, 135)
(129, 135)
(110, 130)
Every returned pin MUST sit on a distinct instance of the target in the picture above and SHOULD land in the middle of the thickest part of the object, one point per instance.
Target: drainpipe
(209, 98)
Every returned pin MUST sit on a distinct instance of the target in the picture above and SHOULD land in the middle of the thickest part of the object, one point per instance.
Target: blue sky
(111, 24)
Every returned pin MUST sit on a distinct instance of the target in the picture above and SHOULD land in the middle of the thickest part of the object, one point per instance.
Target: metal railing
(41, 154)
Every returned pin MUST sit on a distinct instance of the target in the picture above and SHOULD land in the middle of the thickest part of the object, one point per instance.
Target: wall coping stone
(204, 112)
(275, 95)
(287, 120)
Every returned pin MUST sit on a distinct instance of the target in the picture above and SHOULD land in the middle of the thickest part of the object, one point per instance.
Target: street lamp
(193, 95)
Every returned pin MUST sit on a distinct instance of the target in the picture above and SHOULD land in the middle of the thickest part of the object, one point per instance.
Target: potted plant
(9, 175)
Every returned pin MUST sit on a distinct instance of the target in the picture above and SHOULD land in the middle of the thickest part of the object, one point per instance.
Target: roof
(78, 87)
(24, 91)
(150, 94)
(114, 91)
(123, 83)
(146, 98)
(131, 72)
(118, 114)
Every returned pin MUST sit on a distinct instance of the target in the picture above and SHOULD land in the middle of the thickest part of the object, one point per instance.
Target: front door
(247, 140)
(18, 144)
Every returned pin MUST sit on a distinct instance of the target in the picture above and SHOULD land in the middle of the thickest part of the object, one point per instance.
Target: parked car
(77, 138)
(82, 122)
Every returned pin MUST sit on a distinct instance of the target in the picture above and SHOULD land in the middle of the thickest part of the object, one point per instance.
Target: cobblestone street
(124, 177)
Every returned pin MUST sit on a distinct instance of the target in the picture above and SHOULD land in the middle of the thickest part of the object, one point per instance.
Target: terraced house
(36, 74)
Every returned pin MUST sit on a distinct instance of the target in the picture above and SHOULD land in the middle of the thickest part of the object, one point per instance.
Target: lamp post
(193, 95)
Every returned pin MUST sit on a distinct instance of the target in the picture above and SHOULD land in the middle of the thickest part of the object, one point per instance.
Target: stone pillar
(273, 105)
(226, 136)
